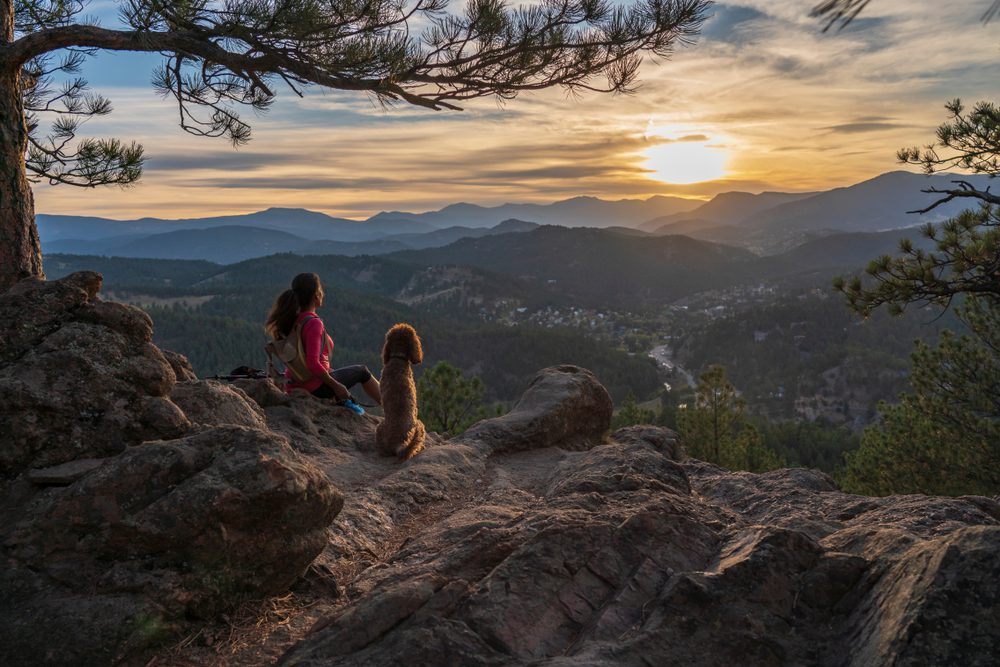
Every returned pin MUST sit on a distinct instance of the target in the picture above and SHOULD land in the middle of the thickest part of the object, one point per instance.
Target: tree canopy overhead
(842, 12)
(224, 56)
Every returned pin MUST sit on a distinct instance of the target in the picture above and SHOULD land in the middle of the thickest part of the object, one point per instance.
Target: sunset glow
(778, 104)
(686, 162)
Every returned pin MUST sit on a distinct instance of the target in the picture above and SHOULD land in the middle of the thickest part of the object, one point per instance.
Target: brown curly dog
(400, 433)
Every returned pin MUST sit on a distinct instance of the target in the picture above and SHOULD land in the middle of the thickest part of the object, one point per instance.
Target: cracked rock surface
(617, 551)
(534, 538)
(130, 504)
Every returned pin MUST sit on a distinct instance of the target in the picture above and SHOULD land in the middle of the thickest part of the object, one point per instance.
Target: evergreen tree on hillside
(449, 402)
(630, 413)
(224, 55)
(715, 428)
(945, 436)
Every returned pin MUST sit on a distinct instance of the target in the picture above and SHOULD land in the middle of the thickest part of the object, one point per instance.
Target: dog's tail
(413, 443)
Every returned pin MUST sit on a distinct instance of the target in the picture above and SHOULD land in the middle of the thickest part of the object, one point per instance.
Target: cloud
(861, 127)
(798, 109)
(730, 22)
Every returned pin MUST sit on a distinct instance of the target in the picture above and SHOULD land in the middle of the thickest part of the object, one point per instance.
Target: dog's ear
(416, 349)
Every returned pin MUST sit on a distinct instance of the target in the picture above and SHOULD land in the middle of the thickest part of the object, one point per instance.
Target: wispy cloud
(794, 108)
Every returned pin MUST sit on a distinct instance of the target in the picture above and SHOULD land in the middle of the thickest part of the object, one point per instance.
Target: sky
(765, 100)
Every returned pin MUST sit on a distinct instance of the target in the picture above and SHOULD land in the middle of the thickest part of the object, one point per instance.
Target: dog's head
(402, 341)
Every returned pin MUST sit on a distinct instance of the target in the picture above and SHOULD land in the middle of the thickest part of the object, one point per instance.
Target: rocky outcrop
(625, 554)
(563, 406)
(133, 503)
(79, 377)
(535, 538)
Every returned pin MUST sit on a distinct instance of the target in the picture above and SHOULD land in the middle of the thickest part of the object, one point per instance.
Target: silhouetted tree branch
(842, 12)
(224, 55)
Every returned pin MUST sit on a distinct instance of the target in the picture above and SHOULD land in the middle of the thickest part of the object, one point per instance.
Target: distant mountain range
(234, 243)
(559, 266)
(576, 212)
(768, 223)
(880, 204)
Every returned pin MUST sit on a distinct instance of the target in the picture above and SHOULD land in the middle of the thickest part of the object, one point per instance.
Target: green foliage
(69, 103)
(966, 253)
(944, 438)
(811, 347)
(964, 260)
(805, 444)
(221, 57)
(449, 402)
(630, 413)
(714, 427)
(214, 345)
(969, 141)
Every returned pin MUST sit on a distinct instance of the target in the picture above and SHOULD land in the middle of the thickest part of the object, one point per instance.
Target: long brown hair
(291, 302)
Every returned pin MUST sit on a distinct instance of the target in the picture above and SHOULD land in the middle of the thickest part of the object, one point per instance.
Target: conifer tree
(714, 427)
(945, 436)
(220, 56)
(630, 413)
(449, 402)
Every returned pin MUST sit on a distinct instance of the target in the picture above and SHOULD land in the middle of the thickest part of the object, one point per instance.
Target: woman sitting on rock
(296, 308)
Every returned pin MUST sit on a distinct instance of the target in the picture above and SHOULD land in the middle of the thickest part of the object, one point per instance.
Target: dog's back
(401, 433)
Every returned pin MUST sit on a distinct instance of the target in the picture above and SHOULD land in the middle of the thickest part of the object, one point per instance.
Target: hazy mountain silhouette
(442, 237)
(300, 222)
(224, 245)
(575, 212)
(766, 223)
(235, 243)
(879, 204)
(728, 208)
(851, 250)
(597, 266)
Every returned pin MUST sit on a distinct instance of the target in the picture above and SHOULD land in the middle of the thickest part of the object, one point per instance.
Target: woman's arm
(313, 334)
(339, 390)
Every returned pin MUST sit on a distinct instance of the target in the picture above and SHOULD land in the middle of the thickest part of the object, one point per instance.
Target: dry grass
(258, 632)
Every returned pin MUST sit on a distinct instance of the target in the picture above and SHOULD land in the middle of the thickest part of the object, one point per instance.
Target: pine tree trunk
(20, 250)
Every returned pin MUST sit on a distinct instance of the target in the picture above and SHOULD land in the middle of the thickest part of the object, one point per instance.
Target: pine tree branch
(965, 191)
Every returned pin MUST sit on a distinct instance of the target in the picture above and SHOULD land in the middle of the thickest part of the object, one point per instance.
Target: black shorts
(347, 376)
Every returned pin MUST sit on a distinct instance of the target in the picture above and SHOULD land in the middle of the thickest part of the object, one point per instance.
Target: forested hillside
(808, 356)
(214, 315)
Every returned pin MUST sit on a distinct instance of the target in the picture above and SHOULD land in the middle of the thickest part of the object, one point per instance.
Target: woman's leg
(352, 375)
(373, 389)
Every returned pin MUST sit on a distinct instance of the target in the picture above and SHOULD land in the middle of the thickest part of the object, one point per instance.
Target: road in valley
(664, 357)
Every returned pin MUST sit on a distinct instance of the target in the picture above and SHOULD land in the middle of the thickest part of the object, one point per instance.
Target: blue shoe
(354, 407)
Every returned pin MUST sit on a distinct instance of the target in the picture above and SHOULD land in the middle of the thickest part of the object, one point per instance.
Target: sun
(686, 161)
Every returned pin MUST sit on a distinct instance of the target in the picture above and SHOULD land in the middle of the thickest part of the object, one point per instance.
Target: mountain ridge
(766, 223)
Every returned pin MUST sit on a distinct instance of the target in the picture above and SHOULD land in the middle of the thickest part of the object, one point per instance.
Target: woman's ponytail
(281, 319)
(290, 303)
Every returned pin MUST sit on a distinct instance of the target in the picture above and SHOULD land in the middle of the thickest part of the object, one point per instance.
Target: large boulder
(132, 504)
(216, 404)
(563, 406)
(79, 377)
(162, 532)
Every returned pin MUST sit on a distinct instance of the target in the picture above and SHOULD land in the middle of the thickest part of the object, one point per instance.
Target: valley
(646, 308)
